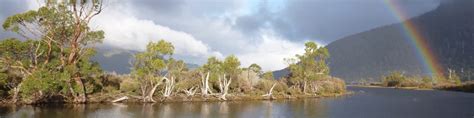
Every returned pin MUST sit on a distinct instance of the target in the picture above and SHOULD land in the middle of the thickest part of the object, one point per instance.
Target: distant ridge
(118, 60)
(371, 54)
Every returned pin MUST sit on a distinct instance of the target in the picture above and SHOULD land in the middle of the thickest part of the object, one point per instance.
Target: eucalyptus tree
(149, 66)
(231, 66)
(254, 68)
(268, 75)
(231, 70)
(309, 66)
(59, 40)
(209, 71)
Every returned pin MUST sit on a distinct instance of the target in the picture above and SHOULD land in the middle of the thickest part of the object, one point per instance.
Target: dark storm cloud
(152, 7)
(328, 20)
(324, 20)
(229, 27)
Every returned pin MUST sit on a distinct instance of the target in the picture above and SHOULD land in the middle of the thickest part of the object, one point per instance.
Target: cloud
(270, 51)
(125, 31)
(327, 20)
(257, 32)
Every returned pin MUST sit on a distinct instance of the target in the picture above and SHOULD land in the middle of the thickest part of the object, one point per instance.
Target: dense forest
(51, 62)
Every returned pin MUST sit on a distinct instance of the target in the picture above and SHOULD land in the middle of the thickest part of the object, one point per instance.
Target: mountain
(118, 60)
(449, 31)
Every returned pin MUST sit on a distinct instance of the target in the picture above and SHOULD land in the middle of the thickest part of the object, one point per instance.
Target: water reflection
(233, 109)
(372, 103)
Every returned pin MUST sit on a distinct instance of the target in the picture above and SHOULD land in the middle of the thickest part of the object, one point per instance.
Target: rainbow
(426, 56)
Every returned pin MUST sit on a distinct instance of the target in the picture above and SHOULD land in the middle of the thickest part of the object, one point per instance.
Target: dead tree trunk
(16, 90)
(205, 85)
(270, 91)
(304, 86)
(148, 90)
(224, 86)
(169, 86)
(120, 99)
(149, 97)
(190, 92)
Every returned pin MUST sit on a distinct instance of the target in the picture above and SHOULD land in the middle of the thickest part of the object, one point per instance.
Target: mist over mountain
(371, 54)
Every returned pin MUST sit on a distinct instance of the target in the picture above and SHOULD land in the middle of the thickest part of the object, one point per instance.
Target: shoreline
(405, 88)
(440, 88)
(181, 98)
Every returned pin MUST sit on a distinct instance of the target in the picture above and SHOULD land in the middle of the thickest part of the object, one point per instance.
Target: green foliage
(268, 75)
(130, 86)
(214, 66)
(57, 48)
(330, 86)
(255, 68)
(48, 82)
(186, 84)
(177, 68)
(152, 62)
(266, 84)
(231, 66)
(395, 79)
(149, 66)
(294, 91)
(309, 66)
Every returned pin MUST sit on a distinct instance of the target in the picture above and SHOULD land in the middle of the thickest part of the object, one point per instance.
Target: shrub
(294, 90)
(264, 85)
(395, 79)
(280, 87)
(186, 84)
(129, 85)
(328, 86)
(49, 83)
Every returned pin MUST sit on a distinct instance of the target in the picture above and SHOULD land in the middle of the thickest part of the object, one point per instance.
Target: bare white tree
(205, 85)
(269, 94)
(149, 97)
(224, 86)
(169, 86)
(190, 92)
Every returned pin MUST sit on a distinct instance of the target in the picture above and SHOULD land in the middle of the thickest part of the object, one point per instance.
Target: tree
(230, 66)
(310, 66)
(149, 66)
(268, 75)
(63, 38)
(213, 68)
(394, 79)
(254, 68)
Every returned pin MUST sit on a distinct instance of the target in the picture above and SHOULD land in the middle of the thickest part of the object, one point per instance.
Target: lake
(364, 103)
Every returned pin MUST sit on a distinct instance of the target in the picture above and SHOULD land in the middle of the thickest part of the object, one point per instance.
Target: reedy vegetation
(398, 79)
(52, 64)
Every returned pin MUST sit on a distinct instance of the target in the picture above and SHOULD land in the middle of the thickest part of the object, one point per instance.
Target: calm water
(365, 103)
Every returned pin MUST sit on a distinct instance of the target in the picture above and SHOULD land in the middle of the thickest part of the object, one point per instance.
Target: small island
(52, 64)
(396, 79)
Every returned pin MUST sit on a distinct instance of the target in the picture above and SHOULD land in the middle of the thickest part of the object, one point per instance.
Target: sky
(256, 31)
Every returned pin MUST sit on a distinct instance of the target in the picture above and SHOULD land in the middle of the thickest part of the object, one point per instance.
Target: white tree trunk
(16, 90)
(304, 87)
(270, 91)
(169, 86)
(120, 99)
(147, 94)
(224, 86)
(205, 85)
(190, 92)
